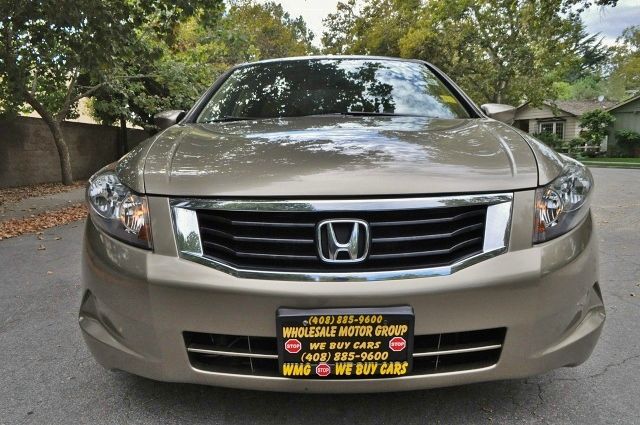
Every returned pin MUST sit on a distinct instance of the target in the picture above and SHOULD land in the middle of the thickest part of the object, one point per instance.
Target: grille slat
(426, 253)
(226, 235)
(270, 224)
(274, 256)
(429, 237)
(401, 239)
(428, 221)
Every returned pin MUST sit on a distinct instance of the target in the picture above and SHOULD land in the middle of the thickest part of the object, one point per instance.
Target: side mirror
(500, 112)
(166, 119)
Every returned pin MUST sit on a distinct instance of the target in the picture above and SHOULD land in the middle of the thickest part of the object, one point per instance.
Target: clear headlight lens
(118, 211)
(564, 203)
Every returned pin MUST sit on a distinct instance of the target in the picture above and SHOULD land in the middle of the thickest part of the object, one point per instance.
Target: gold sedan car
(340, 224)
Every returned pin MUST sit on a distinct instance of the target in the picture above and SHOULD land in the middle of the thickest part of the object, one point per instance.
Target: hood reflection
(312, 151)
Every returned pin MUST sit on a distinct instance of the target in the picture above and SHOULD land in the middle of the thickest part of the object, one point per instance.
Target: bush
(549, 139)
(629, 141)
(573, 146)
(595, 126)
(628, 137)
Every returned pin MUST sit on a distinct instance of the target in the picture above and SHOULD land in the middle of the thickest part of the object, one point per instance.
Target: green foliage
(629, 137)
(594, 125)
(626, 62)
(43, 43)
(587, 88)
(549, 139)
(581, 5)
(498, 51)
(179, 69)
(266, 31)
(572, 147)
(54, 53)
(49, 49)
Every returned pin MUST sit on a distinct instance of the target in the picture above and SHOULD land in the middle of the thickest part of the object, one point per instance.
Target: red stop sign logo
(397, 343)
(293, 346)
(323, 370)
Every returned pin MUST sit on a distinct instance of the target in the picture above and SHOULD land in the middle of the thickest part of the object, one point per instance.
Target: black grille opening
(434, 353)
(234, 365)
(287, 241)
(482, 338)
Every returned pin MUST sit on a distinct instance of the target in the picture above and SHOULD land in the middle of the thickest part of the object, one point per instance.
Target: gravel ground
(49, 377)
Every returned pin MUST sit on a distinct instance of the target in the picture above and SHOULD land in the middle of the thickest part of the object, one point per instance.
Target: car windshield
(331, 86)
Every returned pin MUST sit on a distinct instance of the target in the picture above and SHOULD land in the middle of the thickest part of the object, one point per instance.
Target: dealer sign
(345, 343)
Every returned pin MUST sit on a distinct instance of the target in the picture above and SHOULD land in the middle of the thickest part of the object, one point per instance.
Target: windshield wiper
(229, 118)
(365, 114)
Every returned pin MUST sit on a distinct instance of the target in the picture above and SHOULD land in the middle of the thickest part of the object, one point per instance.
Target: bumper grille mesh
(436, 353)
(286, 241)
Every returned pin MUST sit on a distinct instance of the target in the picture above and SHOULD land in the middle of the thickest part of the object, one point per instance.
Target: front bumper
(137, 305)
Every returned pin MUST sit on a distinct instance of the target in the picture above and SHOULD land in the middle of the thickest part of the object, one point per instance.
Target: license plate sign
(345, 343)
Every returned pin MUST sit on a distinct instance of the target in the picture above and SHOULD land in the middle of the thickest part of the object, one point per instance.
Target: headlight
(118, 211)
(564, 203)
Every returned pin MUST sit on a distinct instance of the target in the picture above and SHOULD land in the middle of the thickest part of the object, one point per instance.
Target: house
(559, 117)
(627, 115)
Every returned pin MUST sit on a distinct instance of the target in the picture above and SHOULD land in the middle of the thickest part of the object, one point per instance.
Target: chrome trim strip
(496, 234)
(457, 351)
(372, 381)
(342, 204)
(231, 353)
(275, 356)
(497, 229)
(187, 231)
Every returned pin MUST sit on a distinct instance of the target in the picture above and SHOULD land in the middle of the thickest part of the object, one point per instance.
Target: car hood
(335, 156)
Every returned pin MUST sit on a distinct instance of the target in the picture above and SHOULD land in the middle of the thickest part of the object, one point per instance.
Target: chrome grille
(287, 241)
(409, 237)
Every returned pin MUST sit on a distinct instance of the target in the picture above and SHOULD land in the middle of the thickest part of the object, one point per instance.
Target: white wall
(534, 115)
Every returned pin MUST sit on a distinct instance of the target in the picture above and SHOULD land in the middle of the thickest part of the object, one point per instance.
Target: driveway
(48, 376)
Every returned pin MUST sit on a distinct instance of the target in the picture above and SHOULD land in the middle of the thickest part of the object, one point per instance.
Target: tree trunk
(63, 151)
(123, 142)
(58, 138)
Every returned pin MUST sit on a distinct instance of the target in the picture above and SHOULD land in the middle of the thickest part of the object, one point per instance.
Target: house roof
(624, 102)
(579, 107)
(576, 107)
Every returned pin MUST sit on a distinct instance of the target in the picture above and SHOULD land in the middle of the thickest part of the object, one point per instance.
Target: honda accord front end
(339, 224)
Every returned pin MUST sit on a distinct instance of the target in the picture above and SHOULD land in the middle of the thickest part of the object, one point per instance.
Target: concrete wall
(28, 154)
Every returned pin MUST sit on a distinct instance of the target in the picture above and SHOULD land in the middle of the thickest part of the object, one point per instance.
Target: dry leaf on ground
(17, 227)
(12, 195)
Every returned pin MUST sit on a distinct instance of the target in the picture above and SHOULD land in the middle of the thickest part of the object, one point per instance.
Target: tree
(267, 31)
(498, 51)
(370, 27)
(180, 68)
(581, 5)
(626, 62)
(588, 88)
(594, 126)
(54, 53)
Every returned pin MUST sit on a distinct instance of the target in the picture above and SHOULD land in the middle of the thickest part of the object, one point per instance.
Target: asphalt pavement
(47, 376)
(40, 204)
